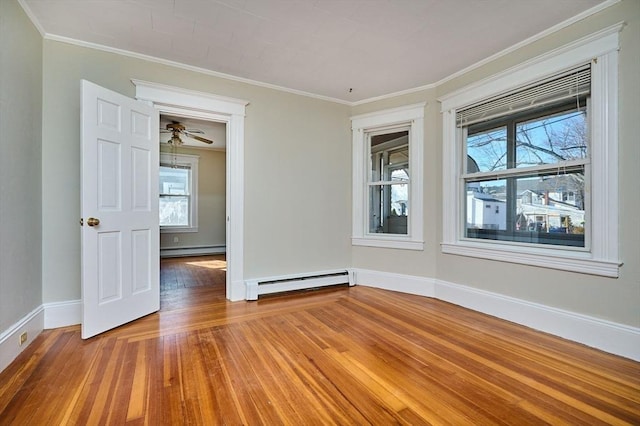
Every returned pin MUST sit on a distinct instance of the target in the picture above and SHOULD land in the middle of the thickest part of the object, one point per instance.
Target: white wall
(615, 300)
(297, 167)
(20, 161)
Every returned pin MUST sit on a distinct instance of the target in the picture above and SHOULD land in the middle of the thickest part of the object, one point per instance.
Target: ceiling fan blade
(198, 138)
(194, 131)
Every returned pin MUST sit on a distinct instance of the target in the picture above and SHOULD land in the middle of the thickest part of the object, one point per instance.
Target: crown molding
(604, 5)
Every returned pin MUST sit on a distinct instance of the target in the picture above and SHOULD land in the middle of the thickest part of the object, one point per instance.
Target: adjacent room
(319, 212)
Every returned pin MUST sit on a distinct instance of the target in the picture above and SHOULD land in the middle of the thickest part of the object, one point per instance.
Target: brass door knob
(92, 221)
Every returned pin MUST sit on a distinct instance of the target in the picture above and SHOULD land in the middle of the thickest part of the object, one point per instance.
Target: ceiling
(212, 130)
(344, 50)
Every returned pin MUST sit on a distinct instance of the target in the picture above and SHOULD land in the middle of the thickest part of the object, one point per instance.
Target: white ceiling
(212, 130)
(321, 47)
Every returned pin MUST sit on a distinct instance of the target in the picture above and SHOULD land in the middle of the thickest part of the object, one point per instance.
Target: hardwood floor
(335, 356)
(192, 275)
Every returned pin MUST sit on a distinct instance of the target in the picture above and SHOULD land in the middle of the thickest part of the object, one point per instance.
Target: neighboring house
(541, 211)
(484, 211)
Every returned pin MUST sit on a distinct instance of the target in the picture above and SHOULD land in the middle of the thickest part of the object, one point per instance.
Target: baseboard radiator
(192, 251)
(270, 285)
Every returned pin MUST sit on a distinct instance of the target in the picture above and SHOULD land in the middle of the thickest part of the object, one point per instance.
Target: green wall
(20, 160)
(297, 167)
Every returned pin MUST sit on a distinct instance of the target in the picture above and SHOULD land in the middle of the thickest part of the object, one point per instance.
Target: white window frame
(412, 117)
(601, 49)
(190, 161)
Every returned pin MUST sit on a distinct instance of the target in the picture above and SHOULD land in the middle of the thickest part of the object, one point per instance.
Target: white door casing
(120, 255)
(231, 111)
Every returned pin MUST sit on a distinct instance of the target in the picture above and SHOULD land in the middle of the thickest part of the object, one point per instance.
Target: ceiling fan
(176, 129)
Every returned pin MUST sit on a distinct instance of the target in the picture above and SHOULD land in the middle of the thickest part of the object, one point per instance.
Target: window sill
(388, 243)
(543, 257)
(177, 229)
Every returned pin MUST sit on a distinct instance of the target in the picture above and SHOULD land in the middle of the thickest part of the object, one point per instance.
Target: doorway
(205, 106)
(192, 205)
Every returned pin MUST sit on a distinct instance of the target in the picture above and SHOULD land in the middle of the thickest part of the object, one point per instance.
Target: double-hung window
(178, 193)
(387, 178)
(530, 162)
(388, 181)
(526, 157)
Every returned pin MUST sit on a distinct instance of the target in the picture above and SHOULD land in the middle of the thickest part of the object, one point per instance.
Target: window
(530, 159)
(178, 193)
(387, 180)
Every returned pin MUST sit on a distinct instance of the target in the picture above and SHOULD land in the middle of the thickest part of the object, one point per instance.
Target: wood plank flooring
(348, 356)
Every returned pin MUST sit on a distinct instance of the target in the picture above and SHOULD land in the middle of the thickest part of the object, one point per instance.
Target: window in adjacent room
(178, 193)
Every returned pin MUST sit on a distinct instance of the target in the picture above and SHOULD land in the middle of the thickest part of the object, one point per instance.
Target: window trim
(601, 48)
(411, 116)
(190, 161)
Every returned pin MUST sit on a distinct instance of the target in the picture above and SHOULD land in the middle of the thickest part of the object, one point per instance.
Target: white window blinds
(571, 84)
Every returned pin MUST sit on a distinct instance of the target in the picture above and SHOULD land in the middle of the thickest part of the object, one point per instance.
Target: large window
(178, 193)
(525, 171)
(387, 178)
(530, 162)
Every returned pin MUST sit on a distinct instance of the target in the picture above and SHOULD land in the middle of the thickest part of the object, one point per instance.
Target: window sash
(375, 219)
(510, 176)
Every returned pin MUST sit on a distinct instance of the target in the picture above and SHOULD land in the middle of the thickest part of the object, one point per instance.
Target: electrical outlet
(23, 338)
(176, 239)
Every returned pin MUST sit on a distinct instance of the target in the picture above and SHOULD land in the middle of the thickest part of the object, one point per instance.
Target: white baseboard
(192, 251)
(608, 336)
(62, 314)
(395, 282)
(10, 347)
(618, 339)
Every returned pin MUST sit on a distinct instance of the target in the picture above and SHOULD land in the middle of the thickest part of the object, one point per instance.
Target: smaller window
(387, 180)
(178, 193)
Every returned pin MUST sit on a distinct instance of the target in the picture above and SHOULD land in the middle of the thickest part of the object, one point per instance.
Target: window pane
(486, 205)
(548, 208)
(174, 211)
(389, 152)
(552, 204)
(174, 181)
(487, 151)
(388, 208)
(552, 139)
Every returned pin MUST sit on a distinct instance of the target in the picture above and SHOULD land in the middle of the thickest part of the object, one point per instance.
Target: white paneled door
(120, 230)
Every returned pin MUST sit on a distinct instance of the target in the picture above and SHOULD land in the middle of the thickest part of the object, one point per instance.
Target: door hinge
(81, 222)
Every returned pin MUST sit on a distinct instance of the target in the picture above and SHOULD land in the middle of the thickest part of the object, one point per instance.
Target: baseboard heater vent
(270, 285)
(192, 251)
